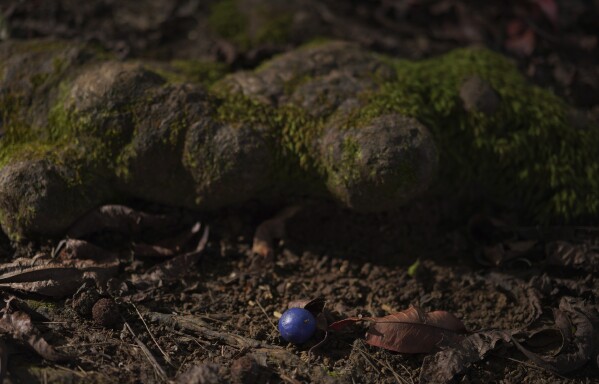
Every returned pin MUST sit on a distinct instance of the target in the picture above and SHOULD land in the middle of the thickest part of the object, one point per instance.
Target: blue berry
(297, 325)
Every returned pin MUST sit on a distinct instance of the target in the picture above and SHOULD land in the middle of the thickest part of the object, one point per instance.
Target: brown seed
(106, 313)
(84, 302)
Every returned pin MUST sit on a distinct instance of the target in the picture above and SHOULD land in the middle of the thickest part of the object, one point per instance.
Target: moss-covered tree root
(328, 120)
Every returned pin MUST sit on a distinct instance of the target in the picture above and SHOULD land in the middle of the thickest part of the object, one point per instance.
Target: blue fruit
(297, 325)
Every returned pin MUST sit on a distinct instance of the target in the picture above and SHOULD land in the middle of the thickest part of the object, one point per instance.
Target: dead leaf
(410, 331)
(501, 253)
(121, 219)
(316, 308)
(313, 305)
(547, 340)
(342, 324)
(577, 256)
(270, 230)
(413, 331)
(167, 247)
(444, 365)
(585, 322)
(18, 325)
(174, 268)
(61, 276)
(519, 291)
(521, 39)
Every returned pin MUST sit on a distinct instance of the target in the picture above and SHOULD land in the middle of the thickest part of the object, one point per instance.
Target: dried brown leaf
(60, 276)
(313, 305)
(19, 326)
(409, 331)
(444, 365)
(167, 247)
(585, 322)
(270, 230)
(548, 340)
(174, 268)
(577, 256)
(121, 219)
(413, 331)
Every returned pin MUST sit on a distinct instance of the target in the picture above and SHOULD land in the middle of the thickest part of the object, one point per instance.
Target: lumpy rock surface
(332, 120)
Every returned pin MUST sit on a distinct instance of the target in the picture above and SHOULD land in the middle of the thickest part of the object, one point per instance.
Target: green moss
(192, 71)
(230, 22)
(525, 152)
(275, 30)
(350, 157)
(291, 131)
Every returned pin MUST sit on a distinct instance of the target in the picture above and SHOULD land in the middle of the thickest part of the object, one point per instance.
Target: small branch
(157, 367)
(166, 357)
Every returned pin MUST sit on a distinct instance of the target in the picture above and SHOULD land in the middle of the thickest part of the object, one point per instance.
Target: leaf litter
(18, 325)
(74, 263)
(409, 331)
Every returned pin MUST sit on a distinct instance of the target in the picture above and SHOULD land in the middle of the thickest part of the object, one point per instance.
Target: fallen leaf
(444, 365)
(521, 39)
(270, 230)
(312, 305)
(167, 247)
(577, 256)
(547, 340)
(18, 325)
(413, 331)
(581, 349)
(316, 308)
(172, 269)
(60, 276)
(342, 324)
(413, 269)
(521, 292)
(121, 219)
(409, 331)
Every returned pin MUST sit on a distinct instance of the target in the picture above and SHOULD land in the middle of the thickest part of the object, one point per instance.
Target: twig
(166, 357)
(267, 317)
(157, 368)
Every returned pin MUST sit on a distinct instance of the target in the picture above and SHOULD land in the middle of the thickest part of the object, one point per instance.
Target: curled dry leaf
(584, 320)
(174, 268)
(520, 291)
(316, 307)
(444, 365)
(121, 219)
(18, 325)
(60, 276)
(577, 256)
(313, 305)
(270, 230)
(167, 247)
(410, 331)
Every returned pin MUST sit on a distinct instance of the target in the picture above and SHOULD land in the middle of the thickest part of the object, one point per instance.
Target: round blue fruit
(297, 325)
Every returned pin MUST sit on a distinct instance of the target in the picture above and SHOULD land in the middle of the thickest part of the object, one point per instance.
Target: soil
(217, 322)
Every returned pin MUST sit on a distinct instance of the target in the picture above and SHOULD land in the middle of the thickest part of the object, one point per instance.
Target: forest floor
(527, 295)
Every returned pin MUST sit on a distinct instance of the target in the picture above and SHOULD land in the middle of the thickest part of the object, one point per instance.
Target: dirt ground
(217, 321)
